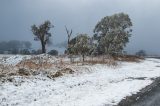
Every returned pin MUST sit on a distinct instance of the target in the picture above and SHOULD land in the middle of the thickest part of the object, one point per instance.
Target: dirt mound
(44, 61)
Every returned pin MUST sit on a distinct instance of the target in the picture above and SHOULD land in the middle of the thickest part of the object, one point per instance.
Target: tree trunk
(103, 58)
(43, 47)
(83, 57)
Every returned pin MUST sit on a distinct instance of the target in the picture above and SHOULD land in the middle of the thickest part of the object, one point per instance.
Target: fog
(17, 16)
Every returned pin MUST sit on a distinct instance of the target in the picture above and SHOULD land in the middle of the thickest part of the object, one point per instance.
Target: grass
(59, 69)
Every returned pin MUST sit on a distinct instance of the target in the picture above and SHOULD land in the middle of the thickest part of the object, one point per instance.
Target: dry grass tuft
(128, 58)
(34, 65)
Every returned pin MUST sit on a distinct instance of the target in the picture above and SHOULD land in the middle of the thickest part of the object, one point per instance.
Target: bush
(53, 52)
(141, 53)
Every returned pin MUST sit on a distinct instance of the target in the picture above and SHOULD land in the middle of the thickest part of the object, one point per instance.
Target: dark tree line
(14, 46)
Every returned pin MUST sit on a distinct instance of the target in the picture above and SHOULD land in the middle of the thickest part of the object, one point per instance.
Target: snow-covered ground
(15, 59)
(98, 85)
(12, 59)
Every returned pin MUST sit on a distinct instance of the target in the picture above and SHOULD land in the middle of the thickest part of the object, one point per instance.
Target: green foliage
(112, 33)
(80, 45)
(42, 33)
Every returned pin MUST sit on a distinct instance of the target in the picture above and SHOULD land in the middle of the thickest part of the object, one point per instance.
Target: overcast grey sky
(16, 17)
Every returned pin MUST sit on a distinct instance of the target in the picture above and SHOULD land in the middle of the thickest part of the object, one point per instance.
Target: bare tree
(69, 33)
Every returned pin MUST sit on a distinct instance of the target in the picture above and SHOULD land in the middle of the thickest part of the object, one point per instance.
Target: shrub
(53, 52)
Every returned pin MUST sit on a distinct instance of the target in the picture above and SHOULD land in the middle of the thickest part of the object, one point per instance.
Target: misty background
(17, 16)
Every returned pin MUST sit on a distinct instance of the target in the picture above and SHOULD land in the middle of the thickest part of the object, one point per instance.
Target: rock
(11, 74)
(2, 75)
(67, 71)
(23, 71)
(10, 79)
(59, 73)
(35, 73)
(54, 75)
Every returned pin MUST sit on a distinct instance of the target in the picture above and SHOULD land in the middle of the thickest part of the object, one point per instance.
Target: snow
(13, 60)
(99, 85)
(45, 57)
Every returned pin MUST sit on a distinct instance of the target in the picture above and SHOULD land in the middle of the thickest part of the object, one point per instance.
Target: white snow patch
(13, 60)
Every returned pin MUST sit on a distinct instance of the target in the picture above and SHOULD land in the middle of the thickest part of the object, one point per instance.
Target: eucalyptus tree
(42, 34)
(80, 45)
(113, 33)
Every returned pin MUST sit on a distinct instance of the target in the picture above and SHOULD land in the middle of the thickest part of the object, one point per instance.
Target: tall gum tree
(113, 33)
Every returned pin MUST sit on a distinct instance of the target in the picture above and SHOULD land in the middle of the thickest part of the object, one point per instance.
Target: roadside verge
(129, 100)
